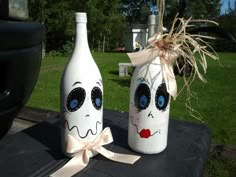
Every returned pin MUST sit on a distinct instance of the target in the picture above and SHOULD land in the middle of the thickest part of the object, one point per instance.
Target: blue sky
(225, 5)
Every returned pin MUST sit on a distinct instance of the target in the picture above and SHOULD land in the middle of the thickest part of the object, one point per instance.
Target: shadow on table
(48, 134)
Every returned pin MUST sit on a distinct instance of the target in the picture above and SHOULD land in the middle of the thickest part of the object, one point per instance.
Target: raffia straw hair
(186, 46)
(178, 43)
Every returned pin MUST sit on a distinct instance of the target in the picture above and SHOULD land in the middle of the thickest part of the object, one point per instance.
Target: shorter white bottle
(149, 109)
(81, 91)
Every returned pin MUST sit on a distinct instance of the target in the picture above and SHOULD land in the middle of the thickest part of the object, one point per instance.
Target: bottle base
(148, 151)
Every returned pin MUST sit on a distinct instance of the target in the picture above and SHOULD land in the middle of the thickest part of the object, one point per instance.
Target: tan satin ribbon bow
(167, 59)
(81, 150)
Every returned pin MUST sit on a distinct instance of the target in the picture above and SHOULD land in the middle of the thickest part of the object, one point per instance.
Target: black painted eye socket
(142, 96)
(75, 99)
(162, 97)
(96, 96)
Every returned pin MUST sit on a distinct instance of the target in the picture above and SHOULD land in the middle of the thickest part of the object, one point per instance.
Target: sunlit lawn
(215, 100)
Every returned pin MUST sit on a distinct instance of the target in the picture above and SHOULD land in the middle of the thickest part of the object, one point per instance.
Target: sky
(225, 5)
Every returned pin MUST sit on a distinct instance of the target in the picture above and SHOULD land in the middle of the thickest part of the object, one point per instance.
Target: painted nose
(150, 114)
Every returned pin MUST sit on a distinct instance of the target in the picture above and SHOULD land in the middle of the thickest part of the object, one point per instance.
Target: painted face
(142, 100)
(83, 109)
(149, 109)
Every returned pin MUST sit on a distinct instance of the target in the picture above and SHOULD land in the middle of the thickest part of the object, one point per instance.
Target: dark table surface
(35, 152)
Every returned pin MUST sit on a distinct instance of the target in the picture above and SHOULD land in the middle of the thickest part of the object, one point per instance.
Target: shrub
(68, 48)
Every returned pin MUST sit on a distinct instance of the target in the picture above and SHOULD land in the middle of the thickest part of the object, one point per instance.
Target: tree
(198, 9)
(227, 22)
(137, 11)
(144, 13)
(209, 9)
(212, 8)
(171, 9)
(104, 20)
(57, 16)
(37, 10)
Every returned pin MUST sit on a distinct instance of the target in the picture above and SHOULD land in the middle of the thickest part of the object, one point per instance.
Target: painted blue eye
(75, 99)
(162, 97)
(142, 96)
(96, 96)
(161, 101)
(73, 103)
(98, 102)
(143, 101)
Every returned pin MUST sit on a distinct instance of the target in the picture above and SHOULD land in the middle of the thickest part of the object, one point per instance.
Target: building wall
(134, 36)
(128, 41)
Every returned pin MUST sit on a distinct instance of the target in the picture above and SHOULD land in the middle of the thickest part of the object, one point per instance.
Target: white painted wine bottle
(81, 101)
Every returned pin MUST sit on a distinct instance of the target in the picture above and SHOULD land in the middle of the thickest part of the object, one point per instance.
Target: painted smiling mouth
(144, 133)
(66, 125)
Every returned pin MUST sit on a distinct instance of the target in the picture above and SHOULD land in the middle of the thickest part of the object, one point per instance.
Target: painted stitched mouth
(66, 125)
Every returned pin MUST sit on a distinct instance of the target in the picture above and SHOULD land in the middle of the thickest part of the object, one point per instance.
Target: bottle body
(149, 109)
(81, 100)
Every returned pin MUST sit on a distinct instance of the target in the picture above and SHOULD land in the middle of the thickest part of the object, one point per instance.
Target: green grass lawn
(215, 100)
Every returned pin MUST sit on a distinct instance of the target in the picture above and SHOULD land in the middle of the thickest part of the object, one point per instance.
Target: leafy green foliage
(207, 9)
(212, 8)
(104, 21)
(108, 19)
(227, 21)
(68, 48)
(198, 9)
(137, 11)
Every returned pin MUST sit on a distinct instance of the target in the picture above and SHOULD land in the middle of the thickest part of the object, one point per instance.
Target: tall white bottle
(81, 91)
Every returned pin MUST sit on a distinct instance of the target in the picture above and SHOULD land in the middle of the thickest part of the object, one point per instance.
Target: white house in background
(139, 33)
(135, 33)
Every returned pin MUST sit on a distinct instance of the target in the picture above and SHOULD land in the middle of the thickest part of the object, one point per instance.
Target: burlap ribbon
(81, 151)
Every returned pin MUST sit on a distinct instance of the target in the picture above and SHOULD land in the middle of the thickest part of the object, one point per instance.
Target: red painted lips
(145, 133)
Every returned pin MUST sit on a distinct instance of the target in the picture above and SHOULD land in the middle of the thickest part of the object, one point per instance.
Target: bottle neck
(152, 25)
(81, 39)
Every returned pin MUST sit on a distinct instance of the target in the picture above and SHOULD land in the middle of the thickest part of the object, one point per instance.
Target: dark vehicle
(20, 60)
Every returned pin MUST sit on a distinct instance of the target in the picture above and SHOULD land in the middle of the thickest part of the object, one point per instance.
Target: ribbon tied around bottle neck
(167, 58)
(176, 43)
(82, 149)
